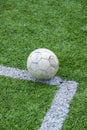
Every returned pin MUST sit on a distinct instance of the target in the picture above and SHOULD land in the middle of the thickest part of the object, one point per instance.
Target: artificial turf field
(59, 25)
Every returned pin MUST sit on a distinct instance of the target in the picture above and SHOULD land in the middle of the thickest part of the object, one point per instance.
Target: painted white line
(14, 73)
(23, 74)
(56, 115)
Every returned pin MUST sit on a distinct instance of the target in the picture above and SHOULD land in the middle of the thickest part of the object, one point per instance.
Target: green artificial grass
(59, 25)
(23, 104)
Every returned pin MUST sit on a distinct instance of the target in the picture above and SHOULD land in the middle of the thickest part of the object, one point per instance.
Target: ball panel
(41, 74)
(35, 57)
(53, 61)
(33, 73)
(51, 72)
(44, 64)
(34, 66)
(45, 55)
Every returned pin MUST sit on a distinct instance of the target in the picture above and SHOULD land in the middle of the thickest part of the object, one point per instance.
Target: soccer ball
(42, 64)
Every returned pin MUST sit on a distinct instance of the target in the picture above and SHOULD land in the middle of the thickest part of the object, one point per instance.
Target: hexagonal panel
(51, 71)
(44, 64)
(32, 73)
(35, 57)
(34, 66)
(53, 61)
(40, 74)
(45, 55)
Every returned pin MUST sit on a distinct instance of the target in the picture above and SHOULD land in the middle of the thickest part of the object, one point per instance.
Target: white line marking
(23, 74)
(14, 73)
(56, 115)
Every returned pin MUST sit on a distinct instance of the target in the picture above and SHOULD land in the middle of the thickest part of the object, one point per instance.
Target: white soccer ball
(42, 64)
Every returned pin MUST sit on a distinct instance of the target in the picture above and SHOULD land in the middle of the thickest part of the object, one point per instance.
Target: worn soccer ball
(42, 64)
